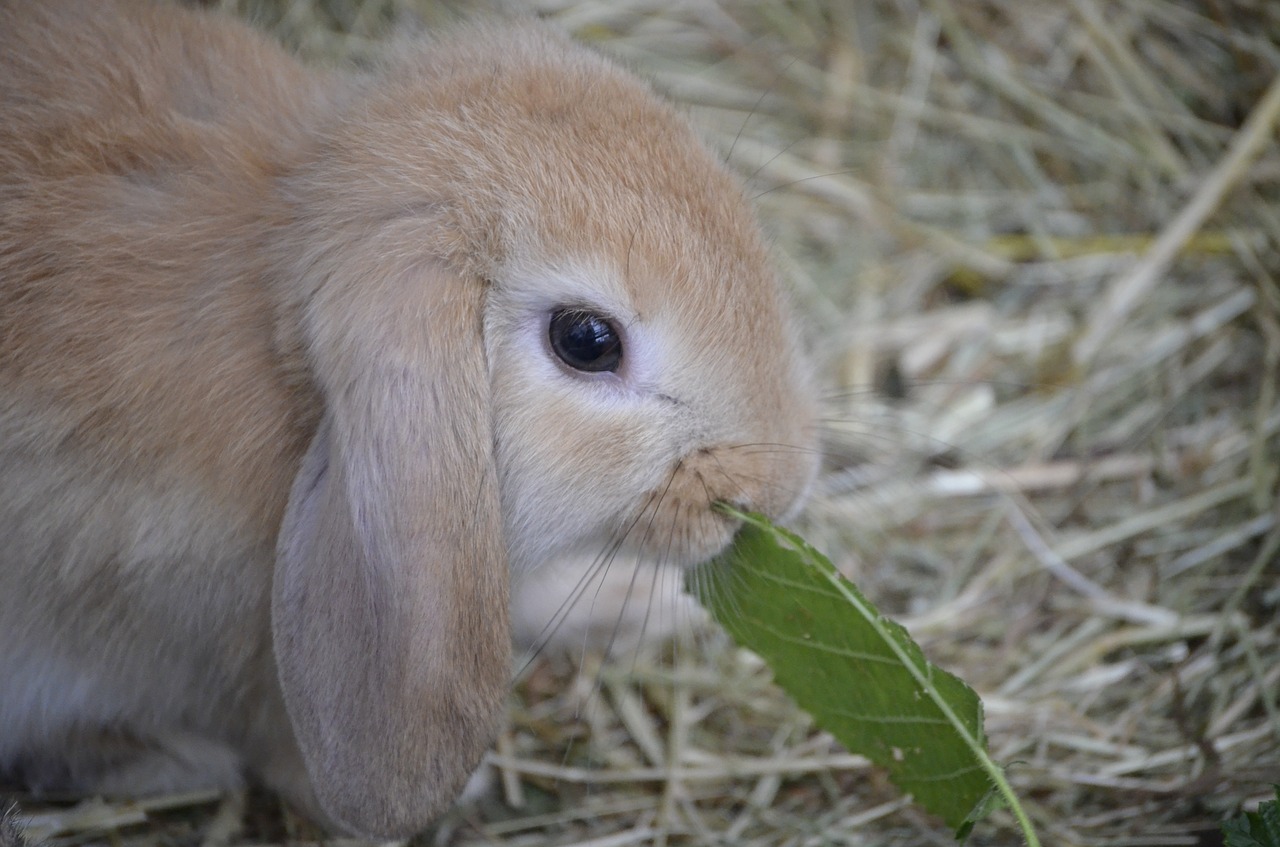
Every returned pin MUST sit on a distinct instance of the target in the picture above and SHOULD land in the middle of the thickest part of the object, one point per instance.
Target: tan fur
(276, 408)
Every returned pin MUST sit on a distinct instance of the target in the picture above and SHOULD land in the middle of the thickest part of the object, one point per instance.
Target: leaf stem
(1006, 791)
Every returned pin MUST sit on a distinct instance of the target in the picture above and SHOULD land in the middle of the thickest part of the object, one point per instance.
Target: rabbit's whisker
(594, 573)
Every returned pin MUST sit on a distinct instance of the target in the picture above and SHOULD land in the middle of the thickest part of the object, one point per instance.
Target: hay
(1036, 246)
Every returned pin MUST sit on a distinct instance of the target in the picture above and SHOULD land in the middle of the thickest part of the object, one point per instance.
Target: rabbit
(299, 366)
(12, 833)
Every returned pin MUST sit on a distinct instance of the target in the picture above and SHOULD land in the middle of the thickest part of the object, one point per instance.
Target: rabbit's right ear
(389, 606)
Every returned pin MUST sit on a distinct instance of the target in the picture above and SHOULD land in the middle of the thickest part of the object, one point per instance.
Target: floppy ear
(389, 606)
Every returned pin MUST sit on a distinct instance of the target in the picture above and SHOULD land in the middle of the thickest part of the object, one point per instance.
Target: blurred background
(1035, 244)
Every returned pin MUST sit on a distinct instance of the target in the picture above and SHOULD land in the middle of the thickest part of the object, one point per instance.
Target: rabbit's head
(542, 320)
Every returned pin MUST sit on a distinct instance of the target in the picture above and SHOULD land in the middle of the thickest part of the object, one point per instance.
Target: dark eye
(585, 341)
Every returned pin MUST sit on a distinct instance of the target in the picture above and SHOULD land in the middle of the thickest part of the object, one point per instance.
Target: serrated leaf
(858, 673)
(1255, 829)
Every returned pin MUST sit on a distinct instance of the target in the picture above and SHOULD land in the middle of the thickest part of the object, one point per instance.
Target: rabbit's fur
(278, 411)
(11, 832)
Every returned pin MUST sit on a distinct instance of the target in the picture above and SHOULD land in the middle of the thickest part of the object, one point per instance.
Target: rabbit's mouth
(682, 521)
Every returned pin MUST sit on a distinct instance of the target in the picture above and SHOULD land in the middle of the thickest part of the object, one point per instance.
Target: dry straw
(1036, 245)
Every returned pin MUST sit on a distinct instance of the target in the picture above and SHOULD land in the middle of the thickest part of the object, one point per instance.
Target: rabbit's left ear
(389, 606)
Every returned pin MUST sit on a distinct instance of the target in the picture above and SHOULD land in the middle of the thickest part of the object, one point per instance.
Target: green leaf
(1255, 829)
(858, 673)
(988, 803)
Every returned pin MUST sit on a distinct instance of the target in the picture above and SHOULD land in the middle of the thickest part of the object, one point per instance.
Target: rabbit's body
(150, 426)
(278, 408)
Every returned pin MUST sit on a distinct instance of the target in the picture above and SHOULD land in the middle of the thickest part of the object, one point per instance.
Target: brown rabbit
(294, 367)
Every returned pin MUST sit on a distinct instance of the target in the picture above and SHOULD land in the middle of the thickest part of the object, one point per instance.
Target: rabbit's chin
(636, 532)
(607, 551)
(657, 549)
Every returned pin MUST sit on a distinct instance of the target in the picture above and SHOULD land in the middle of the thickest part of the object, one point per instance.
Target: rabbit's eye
(585, 341)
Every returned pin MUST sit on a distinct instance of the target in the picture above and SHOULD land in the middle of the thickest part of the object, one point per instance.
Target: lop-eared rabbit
(296, 367)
